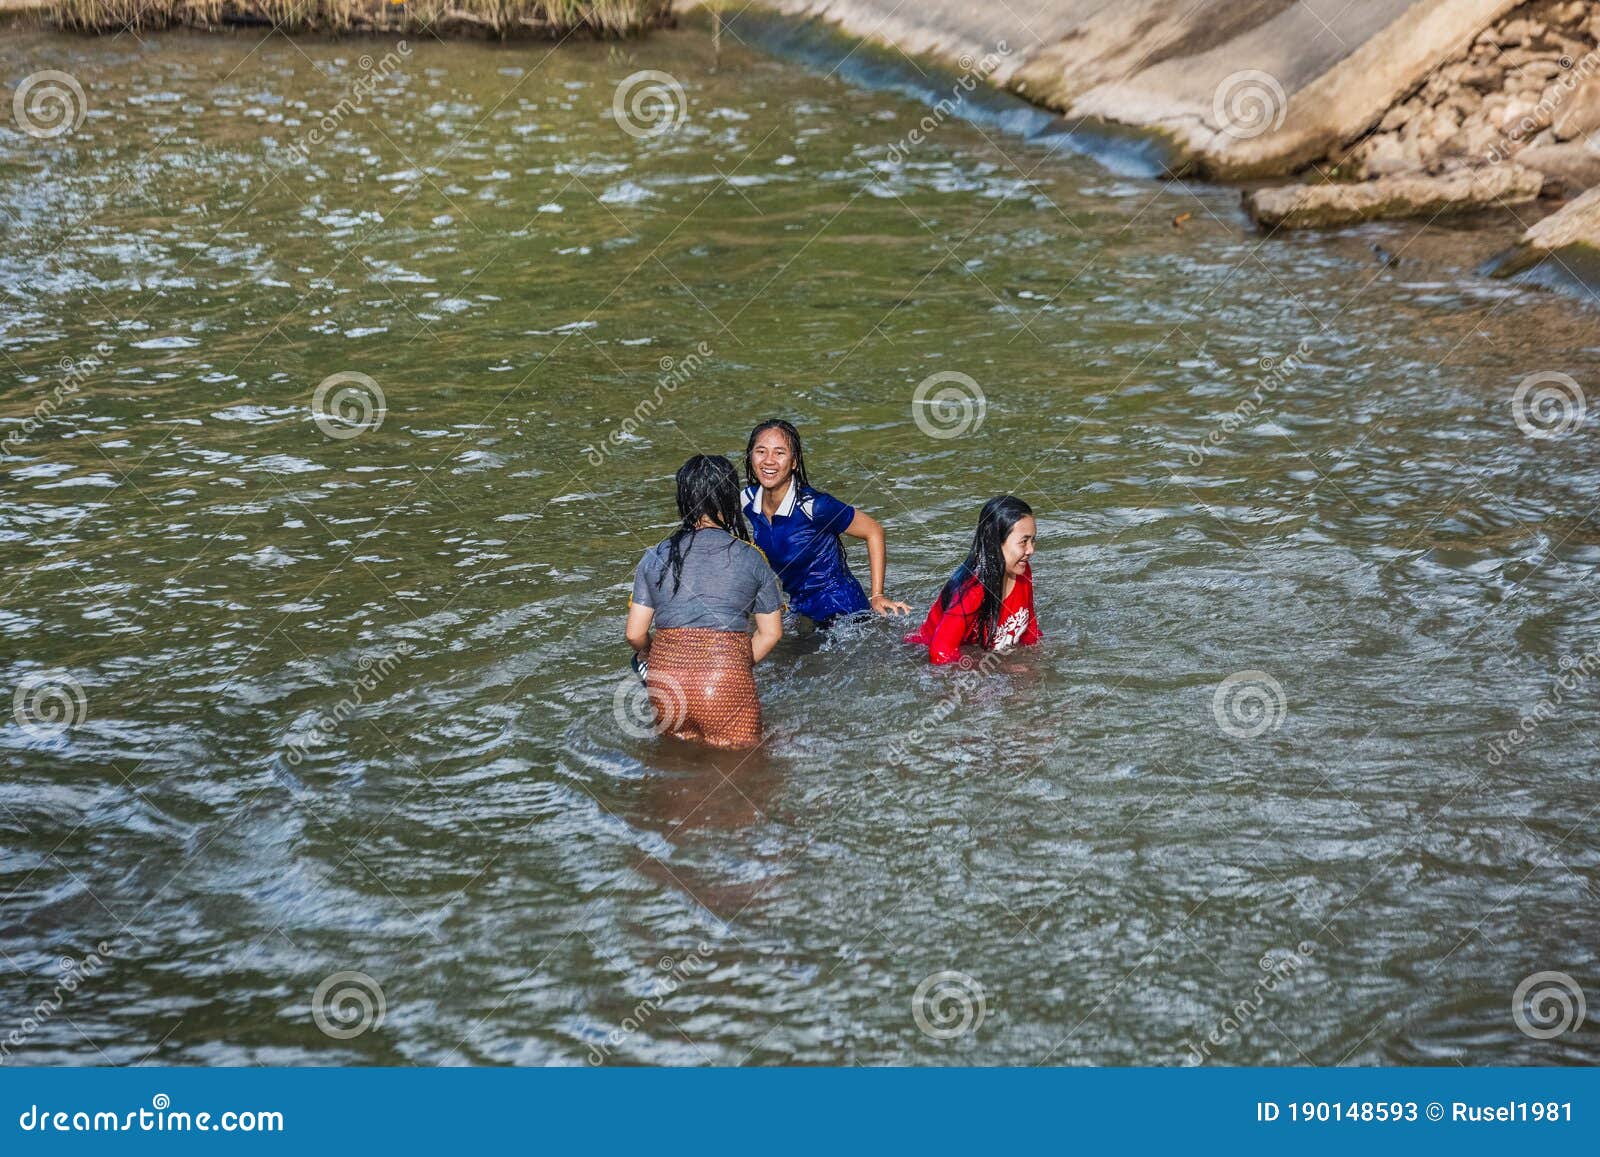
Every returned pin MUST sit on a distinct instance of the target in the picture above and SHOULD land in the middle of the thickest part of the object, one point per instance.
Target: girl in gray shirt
(701, 590)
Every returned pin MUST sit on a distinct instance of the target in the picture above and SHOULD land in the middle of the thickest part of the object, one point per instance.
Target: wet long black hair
(708, 487)
(790, 433)
(986, 562)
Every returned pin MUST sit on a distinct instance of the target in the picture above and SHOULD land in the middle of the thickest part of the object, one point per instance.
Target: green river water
(300, 697)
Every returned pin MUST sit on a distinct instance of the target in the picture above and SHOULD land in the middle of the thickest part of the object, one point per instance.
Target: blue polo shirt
(801, 541)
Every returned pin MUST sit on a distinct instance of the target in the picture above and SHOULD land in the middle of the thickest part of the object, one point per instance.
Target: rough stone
(1437, 88)
(1477, 140)
(1575, 223)
(1483, 77)
(1571, 235)
(1395, 117)
(1514, 113)
(1334, 204)
(1537, 73)
(1521, 32)
(1517, 57)
(1568, 168)
(1384, 157)
(1579, 113)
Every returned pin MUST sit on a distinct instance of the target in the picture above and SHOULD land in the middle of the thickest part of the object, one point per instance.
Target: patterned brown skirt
(702, 687)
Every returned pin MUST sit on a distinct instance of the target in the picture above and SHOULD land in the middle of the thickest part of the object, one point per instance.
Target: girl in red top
(989, 600)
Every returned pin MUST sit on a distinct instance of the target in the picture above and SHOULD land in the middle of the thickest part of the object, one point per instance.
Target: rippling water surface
(348, 701)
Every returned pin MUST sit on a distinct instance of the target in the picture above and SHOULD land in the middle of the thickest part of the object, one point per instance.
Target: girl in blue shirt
(798, 529)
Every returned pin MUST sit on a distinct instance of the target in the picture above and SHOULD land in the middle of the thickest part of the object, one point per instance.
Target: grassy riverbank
(488, 17)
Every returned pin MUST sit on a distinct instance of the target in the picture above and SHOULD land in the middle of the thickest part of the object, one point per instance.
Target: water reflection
(712, 810)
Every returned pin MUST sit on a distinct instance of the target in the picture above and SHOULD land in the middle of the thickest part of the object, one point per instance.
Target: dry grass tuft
(498, 18)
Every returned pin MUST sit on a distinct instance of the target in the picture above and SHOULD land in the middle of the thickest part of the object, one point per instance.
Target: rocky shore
(1513, 116)
(1528, 88)
(1307, 206)
(1386, 108)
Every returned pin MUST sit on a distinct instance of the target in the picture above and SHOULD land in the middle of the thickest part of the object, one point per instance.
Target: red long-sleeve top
(945, 631)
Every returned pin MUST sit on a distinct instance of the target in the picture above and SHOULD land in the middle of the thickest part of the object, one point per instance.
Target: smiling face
(1019, 545)
(772, 459)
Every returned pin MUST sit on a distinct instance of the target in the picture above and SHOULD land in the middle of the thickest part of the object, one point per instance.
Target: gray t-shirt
(725, 581)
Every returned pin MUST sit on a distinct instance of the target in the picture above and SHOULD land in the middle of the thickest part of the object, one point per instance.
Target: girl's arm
(638, 628)
(769, 629)
(951, 631)
(867, 527)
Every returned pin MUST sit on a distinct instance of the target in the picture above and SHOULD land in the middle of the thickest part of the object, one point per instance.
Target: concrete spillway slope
(1241, 88)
